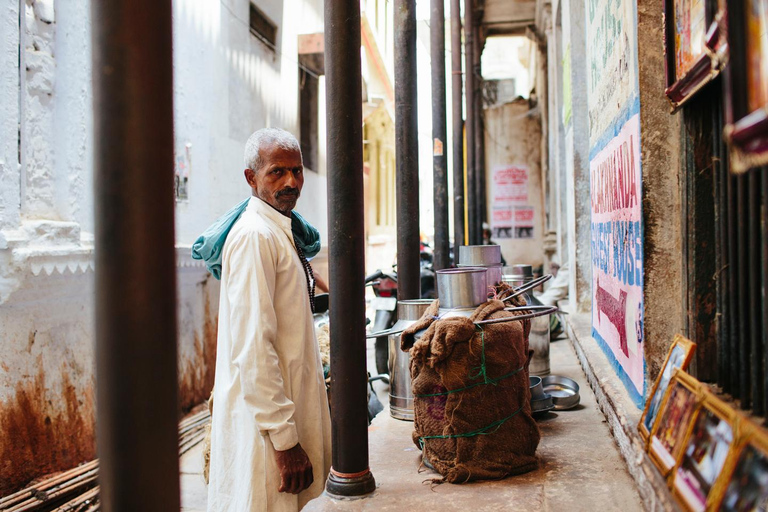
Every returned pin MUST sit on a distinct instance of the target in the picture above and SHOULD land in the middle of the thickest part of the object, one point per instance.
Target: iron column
(406, 152)
(470, 125)
(458, 130)
(136, 376)
(350, 475)
(439, 158)
(479, 137)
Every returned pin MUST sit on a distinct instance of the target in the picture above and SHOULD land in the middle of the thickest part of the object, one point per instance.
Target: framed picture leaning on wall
(706, 450)
(747, 84)
(695, 46)
(679, 356)
(745, 480)
(681, 402)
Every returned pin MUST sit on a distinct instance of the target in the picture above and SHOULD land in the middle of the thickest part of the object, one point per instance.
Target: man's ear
(250, 177)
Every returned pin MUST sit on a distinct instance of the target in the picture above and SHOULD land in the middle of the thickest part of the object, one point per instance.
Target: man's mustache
(288, 192)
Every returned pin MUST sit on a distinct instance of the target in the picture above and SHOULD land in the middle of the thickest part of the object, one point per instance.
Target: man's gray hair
(267, 137)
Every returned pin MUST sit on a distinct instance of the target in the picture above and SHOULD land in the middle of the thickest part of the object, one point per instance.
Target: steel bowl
(541, 402)
(564, 391)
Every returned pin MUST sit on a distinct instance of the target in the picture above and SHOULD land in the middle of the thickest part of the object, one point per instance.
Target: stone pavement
(580, 467)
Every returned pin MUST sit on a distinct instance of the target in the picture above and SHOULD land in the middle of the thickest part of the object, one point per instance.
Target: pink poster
(617, 254)
(511, 215)
(510, 185)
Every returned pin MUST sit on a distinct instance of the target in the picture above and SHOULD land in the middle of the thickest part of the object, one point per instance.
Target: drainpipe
(439, 134)
(350, 475)
(470, 124)
(406, 151)
(458, 130)
(136, 376)
(479, 135)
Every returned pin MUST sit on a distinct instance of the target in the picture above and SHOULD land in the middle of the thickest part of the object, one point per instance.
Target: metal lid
(479, 254)
(519, 271)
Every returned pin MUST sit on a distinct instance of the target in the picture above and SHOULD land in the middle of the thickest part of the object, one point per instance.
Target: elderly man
(270, 433)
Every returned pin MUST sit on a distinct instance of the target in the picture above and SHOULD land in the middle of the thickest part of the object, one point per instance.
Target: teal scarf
(209, 246)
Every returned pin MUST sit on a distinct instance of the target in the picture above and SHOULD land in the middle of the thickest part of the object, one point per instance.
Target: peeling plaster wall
(227, 84)
(599, 89)
(513, 139)
(9, 113)
(662, 195)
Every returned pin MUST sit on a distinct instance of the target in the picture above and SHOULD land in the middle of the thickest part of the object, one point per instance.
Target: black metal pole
(470, 125)
(136, 376)
(350, 475)
(439, 134)
(480, 215)
(458, 130)
(406, 151)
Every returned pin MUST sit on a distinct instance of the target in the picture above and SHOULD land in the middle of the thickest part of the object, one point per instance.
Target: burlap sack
(471, 394)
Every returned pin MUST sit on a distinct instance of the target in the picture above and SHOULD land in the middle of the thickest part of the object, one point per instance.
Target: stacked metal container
(400, 394)
(485, 256)
(517, 276)
(460, 291)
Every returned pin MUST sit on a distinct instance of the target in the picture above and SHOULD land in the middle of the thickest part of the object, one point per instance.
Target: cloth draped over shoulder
(471, 393)
(208, 246)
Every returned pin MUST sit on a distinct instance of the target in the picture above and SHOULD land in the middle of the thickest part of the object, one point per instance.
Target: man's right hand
(295, 470)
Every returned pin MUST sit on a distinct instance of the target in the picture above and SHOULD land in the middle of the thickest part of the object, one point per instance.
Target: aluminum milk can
(538, 340)
(400, 392)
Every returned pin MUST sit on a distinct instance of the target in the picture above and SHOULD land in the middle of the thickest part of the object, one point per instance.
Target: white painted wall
(227, 84)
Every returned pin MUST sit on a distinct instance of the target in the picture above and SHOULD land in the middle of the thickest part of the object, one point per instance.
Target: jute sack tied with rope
(472, 412)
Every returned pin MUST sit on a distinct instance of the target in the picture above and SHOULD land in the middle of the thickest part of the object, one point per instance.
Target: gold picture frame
(744, 482)
(706, 452)
(679, 356)
(681, 402)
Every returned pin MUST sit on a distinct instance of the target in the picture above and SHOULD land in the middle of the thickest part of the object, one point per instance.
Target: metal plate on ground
(564, 391)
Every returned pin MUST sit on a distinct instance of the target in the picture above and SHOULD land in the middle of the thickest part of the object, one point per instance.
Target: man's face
(280, 179)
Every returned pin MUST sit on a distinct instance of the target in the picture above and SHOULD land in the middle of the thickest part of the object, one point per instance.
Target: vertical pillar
(479, 135)
(136, 379)
(439, 158)
(458, 130)
(406, 151)
(350, 475)
(470, 125)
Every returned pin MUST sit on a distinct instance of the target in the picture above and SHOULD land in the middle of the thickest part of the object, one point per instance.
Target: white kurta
(269, 392)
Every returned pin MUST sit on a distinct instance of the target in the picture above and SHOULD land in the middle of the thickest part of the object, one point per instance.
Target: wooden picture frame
(685, 73)
(746, 130)
(707, 449)
(682, 400)
(744, 483)
(680, 354)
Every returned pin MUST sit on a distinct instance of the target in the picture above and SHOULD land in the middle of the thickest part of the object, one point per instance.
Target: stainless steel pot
(465, 287)
(485, 256)
(400, 393)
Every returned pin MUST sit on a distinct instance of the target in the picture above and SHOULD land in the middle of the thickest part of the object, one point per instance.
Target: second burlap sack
(471, 394)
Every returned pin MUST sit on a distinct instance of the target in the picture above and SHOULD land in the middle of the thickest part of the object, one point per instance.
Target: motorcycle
(385, 303)
(322, 332)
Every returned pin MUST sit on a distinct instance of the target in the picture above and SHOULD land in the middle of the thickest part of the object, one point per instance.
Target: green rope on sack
(479, 432)
(490, 381)
(481, 371)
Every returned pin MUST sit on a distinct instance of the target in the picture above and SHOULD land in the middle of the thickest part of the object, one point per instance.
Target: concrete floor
(580, 467)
